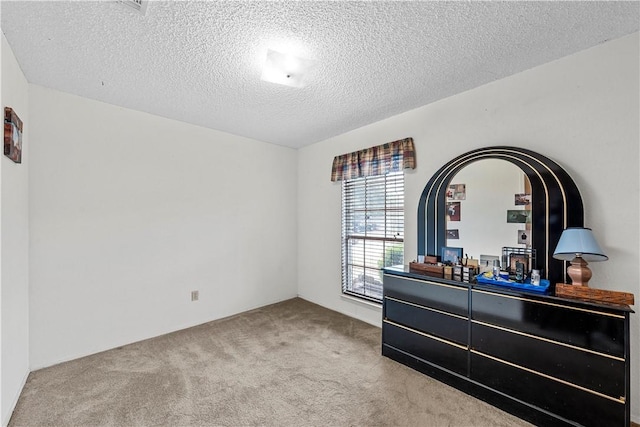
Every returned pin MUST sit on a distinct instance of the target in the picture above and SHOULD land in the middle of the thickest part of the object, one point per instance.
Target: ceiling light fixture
(285, 69)
(139, 5)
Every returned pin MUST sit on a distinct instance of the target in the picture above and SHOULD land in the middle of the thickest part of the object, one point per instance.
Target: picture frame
(457, 192)
(450, 254)
(524, 237)
(519, 216)
(12, 135)
(522, 199)
(486, 262)
(453, 234)
(515, 258)
(453, 211)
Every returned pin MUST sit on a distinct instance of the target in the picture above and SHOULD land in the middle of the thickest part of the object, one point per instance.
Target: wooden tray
(586, 293)
(428, 269)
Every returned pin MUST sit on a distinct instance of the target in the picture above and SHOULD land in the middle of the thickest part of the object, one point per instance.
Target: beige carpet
(288, 364)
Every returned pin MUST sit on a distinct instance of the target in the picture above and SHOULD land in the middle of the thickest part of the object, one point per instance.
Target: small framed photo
(516, 258)
(519, 216)
(523, 199)
(524, 237)
(450, 254)
(453, 211)
(486, 262)
(457, 192)
(453, 234)
(12, 135)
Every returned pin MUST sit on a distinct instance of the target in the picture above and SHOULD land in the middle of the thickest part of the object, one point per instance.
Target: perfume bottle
(519, 272)
(496, 269)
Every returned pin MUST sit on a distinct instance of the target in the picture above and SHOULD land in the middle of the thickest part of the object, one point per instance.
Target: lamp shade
(579, 242)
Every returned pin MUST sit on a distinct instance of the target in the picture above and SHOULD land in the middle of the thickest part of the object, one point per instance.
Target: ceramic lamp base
(579, 272)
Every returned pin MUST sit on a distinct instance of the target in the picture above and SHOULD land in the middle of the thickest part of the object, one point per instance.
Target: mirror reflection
(488, 207)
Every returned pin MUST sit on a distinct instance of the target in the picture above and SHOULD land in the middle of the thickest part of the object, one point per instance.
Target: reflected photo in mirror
(453, 211)
(453, 234)
(519, 216)
(457, 192)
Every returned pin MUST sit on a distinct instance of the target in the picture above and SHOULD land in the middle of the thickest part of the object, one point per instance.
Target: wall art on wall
(519, 216)
(453, 211)
(524, 237)
(12, 135)
(453, 234)
(522, 199)
(457, 192)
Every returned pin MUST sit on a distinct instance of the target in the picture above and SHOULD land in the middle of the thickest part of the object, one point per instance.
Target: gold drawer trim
(621, 399)
(427, 308)
(586, 310)
(524, 334)
(442, 340)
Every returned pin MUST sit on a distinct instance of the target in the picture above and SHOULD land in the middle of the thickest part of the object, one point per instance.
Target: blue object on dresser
(542, 288)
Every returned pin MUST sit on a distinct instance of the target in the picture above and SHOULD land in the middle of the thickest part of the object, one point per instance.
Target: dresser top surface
(404, 271)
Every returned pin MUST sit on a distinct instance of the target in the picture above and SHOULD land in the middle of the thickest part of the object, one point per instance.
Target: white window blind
(372, 232)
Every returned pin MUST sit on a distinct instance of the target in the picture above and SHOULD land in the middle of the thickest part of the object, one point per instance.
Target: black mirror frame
(556, 204)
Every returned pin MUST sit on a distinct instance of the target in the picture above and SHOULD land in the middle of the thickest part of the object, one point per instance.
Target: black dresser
(548, 360)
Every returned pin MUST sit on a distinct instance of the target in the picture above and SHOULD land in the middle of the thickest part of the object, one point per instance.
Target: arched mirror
(488, 207)
(500, 197)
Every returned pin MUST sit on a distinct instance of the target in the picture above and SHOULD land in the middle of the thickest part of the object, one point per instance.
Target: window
(372, 232)
(372, 213)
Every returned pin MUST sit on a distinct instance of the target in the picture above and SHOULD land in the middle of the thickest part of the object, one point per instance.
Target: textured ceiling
(201, 62)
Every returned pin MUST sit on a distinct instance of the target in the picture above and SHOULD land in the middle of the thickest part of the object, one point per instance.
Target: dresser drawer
(566, 401)
(449, 298)
(427, 348)
(594, 371)
(444, 325)
(590, 329)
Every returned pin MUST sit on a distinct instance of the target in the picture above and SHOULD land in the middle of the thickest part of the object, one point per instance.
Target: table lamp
(578, 245)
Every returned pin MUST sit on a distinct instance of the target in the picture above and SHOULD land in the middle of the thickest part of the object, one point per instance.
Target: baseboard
(354, 315)
(634, 424)
(180, 327)
(7, 417)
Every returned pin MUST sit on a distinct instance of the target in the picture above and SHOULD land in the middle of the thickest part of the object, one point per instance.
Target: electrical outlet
(195, 295)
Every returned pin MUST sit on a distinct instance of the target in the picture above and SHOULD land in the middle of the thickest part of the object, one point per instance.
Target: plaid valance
(382, 159)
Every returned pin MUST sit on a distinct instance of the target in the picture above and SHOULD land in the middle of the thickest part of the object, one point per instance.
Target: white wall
(14, 233)
(131, 212)
(581, 111)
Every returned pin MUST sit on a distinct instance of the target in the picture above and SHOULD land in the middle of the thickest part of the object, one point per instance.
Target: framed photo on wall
(453, 211)
(519, 216)
(457, 192)
(12, 135)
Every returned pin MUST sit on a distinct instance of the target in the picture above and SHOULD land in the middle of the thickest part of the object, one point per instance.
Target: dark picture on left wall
(12, 135)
